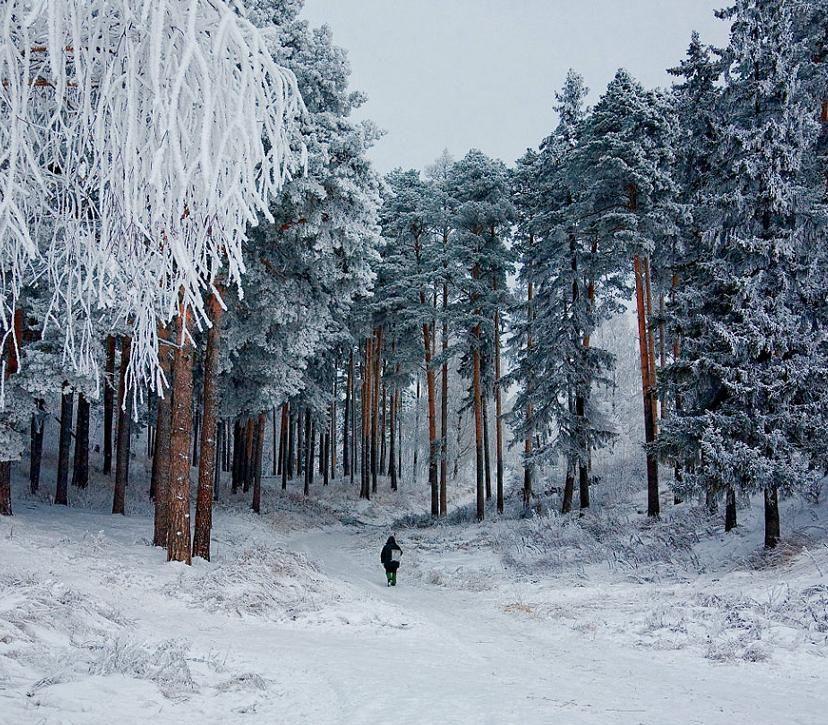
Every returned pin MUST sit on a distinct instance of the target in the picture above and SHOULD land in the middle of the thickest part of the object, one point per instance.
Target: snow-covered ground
(603, 619)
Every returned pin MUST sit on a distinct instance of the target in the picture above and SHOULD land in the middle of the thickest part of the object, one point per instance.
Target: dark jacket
(385, 557)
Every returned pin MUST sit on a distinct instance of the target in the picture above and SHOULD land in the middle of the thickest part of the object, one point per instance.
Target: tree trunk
(772, 530)
(646, 388)
(569, 488)
(283, 444)
(444, 408)
(237, 447)
(332, 426)
(257, 463)
(291, 444)
(5, 488)
(349, 392)
(416, 432)
(392, 443)
(365, 408)
(383, 427)
(196, 432)
(498, 415)
(80, 472)
(163, 427)
(301, 443)
(433, 446)
(209, 426)
(249, 449)
(36, 449)
(730, 509)
(478, 428)
(124, 425)
(178, 540)
(108, 404)
(219, 465)
(67, 406)
(325, 452)
(309, 430)
(527, 441)
(486, 448)
(375, 409)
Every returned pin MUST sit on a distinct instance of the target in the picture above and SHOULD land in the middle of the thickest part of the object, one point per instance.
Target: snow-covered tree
(753, 385)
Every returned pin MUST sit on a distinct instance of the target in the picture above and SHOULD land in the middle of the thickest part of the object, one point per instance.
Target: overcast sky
(459, 74)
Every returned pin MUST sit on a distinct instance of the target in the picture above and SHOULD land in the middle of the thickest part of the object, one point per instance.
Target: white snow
(519, 621)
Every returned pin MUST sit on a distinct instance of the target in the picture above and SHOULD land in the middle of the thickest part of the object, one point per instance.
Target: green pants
(392, 578)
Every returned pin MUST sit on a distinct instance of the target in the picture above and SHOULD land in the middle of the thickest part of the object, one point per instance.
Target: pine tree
(757, 360)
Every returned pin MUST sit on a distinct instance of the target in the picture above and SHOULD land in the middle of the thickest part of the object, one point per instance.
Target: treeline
(704, 204)
(707, 203)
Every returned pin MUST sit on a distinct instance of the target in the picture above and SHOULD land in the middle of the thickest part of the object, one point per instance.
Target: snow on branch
(138, 141)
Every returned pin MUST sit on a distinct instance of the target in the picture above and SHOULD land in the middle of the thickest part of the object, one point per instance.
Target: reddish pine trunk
(124, 425)
(346, 421)
(648, 395)
(178, 539)
(108, 403)
(209, 425)
(257, 463)
(433, 449)
(67, 405)
(163, 428)
(80, 472)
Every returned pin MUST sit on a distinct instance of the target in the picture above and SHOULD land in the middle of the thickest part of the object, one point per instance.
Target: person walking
(390, 558)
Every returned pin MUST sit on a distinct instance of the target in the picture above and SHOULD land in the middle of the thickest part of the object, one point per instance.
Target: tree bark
(349, 391)
(248, 471)
(365, 477)
(498, 414)
(383, 427)
(647, 390)
(108, 404)
(219, 465)
(178, 540)
(772, 529)
(209, 426)
(80, 472)
(486, 448)
(283, 466)
(36, 449)
(478, 429)
(375, 379)
(527, 440)
(569, 488)
(67, 406)
(163, 428)
(237, 455)
(309, 430)
(291, 443)
(257, 464)
(730, 509)
(124, 425)
(444, 408)
(392, 443)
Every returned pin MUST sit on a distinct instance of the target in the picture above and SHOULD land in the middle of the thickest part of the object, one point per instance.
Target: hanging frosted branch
(139, 139)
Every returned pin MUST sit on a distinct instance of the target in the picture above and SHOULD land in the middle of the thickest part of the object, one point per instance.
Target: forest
(586, 389)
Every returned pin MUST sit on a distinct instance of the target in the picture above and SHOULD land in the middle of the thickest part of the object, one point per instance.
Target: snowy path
(466, 661)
